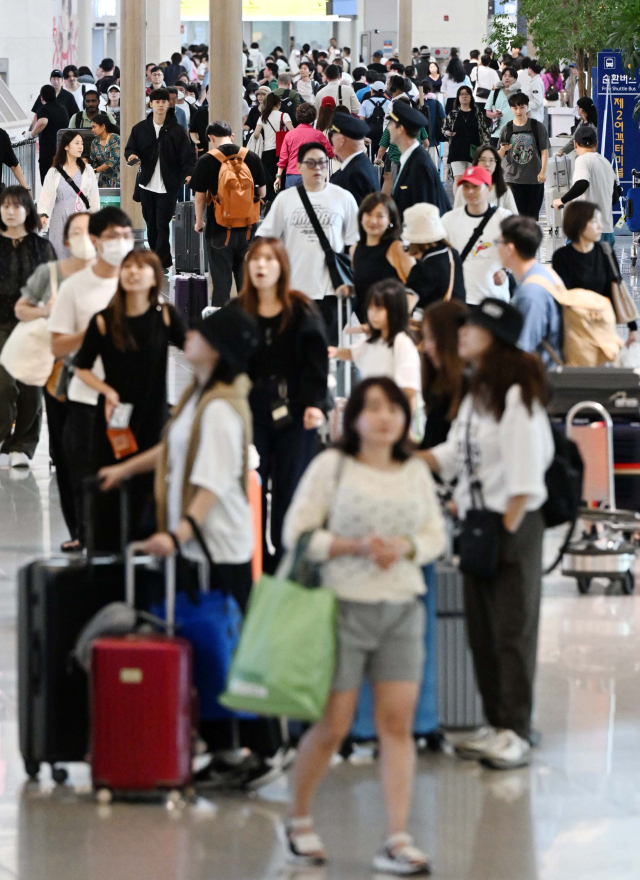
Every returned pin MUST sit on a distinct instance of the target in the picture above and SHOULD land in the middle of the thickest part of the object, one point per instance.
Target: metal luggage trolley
(606, 551)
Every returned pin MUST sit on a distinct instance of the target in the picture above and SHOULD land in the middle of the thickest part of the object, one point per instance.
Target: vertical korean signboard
(616, 93)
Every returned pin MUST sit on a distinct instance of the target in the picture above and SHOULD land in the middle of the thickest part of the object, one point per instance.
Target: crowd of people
(454, 317)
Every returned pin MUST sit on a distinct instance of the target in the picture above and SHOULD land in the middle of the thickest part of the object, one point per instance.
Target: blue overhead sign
(615, 95)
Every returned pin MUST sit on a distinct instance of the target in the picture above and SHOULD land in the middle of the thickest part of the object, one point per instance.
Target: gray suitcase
(459, 702)
(189, 252)
(616, 388)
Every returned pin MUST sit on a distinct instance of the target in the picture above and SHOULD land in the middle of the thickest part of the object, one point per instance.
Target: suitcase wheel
(628, 583)
(32, 769)
(584, 585)
(104, 796)
(59, 774)
(176, 799)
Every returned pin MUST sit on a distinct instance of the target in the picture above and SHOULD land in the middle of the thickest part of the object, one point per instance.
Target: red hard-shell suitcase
(141, 704)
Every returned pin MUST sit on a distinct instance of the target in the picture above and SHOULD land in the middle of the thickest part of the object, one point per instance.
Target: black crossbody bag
(481, 534)
(477, 232)
(339, 265)
(74, 187)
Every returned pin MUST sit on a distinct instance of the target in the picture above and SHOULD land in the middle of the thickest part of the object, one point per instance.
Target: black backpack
(340, 107)
(376, 120)
(564, 488)
(288, 105)
(552, 94)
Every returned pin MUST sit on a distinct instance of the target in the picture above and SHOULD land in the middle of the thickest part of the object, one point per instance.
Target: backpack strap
(218, 155)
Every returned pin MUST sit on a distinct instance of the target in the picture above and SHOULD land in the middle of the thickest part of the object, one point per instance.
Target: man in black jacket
(357, 175)
(417, 179)
(167, 159)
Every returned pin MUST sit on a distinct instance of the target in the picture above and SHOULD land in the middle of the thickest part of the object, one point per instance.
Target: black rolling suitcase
(57, 597)
(189, 253)
(616, 388)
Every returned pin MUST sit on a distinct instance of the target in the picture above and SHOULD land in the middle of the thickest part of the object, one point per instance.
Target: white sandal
(304, 848)
(399, 856)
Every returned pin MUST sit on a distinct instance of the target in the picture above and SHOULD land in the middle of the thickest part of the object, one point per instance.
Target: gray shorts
(383, 641)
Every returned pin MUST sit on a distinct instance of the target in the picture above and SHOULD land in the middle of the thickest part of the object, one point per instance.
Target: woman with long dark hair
(375, 520)
(500, 195)
(22, 250)
(271, 122)
(466, 129)
(388, 350)
(499, 449)
(452, 80)
(588, 113)
(435, 76)
(289, 370)
(105, 153)
(70, 186)
(379, 254)
(132, 337)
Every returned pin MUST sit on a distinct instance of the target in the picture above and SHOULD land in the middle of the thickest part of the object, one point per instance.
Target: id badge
(280, 413)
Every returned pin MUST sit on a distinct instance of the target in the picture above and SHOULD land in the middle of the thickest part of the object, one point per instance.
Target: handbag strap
(606, 247)
(197, 534)
(395, 262)
(477, 232)
(452, 270)
(339, 470)
(74, 186)
(317, 228)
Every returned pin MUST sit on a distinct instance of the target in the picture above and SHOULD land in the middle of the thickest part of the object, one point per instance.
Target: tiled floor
(573, 815)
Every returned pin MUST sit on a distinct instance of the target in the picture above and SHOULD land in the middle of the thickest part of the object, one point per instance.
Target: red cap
(476, 175)
(328, 101)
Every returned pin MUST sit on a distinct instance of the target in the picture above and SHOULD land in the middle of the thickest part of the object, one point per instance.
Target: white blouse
(510, 457)
(271, 126)
(401, 362)
(365, 501)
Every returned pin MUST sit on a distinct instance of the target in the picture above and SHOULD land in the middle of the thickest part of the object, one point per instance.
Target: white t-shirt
(401, 362)
(271, 126)
(305, 90)
(156, 184)
(484, 78)
(78, 97)
(483, 261)
(599, 172)
(450, 86)
(510, 457)
(80, 297)
(369, 105)
(228, 529)
(337, 212)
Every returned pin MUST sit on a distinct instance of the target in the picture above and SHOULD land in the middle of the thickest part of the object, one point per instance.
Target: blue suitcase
(633, 209)
(427, 719)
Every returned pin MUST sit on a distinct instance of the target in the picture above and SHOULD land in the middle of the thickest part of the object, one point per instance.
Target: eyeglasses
(498, 241)
(312, 164)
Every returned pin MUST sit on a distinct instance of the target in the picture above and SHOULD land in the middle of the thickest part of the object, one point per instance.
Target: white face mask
(190, 99)
(114, 251)
(81, 247)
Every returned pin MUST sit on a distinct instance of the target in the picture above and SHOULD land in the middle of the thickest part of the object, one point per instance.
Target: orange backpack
(235, 202)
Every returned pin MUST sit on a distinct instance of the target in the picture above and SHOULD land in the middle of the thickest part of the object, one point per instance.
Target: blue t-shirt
(542, 315)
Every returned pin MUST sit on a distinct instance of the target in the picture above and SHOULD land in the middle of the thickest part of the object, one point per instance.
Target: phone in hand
(132, 161)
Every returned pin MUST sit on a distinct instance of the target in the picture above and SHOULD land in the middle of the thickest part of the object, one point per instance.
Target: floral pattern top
(109, 154)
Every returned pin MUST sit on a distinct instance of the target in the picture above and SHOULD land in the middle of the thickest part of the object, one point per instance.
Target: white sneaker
(19, 459)
(474, 746)
(507, 751)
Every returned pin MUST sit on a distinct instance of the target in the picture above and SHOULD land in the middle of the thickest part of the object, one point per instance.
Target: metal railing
(25, 151)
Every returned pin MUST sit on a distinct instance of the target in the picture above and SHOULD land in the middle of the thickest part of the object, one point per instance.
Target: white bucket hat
(422, 224)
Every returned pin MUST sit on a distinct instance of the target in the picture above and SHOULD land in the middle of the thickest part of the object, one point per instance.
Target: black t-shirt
(199, 123)
(378, 68)
(7, 156)
(64, 98)
(58, 118)
(467, 134)
(205, 178)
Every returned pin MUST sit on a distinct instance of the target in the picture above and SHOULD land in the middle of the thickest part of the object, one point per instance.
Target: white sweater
(366, 501)
(88, 186)
(510, 457)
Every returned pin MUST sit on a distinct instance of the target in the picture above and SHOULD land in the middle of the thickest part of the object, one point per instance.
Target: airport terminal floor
(574, 813)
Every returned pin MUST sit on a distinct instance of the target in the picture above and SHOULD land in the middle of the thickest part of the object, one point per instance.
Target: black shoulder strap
(536, 134)
(477, 232)
(317, 228)
(74, 187)
(508, 129)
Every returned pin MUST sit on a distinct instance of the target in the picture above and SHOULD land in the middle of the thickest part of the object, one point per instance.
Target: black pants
(502, 627)
(20, 410)
(78, 447)
(56, 420)
(226, 261)
(158, 210)
(270, 162)
(529, 198)
(44, 164)
(329, 311)
(284, 456)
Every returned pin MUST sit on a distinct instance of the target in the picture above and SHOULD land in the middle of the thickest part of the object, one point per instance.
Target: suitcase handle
(170, 581)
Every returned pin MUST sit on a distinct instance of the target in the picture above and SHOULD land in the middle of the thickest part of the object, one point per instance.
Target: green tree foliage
(570, 30)
(503, 35)
(626, 33)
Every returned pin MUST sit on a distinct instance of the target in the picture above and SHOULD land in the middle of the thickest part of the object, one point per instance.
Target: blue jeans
(293, 180)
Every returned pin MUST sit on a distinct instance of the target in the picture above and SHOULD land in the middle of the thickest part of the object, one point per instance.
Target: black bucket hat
(498, 317)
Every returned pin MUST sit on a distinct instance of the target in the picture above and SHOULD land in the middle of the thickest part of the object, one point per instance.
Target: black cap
(586, 136)
(498, 317)
(349, 126)
(405, 114)
(233, 333)
(56, 73)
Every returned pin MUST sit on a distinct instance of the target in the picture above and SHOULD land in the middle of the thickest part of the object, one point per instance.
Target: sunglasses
(312, 164)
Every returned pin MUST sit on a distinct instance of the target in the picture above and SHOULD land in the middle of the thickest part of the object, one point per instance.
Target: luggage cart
(606, 549)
